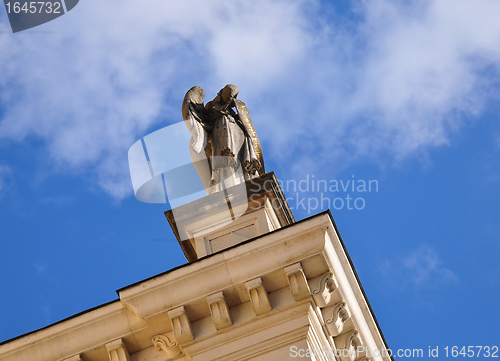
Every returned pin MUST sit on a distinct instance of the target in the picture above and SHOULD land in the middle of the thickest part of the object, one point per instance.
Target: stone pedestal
(227, 218)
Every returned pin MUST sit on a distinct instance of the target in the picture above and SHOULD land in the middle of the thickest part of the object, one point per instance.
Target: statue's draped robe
(230, 141)
(223, 140)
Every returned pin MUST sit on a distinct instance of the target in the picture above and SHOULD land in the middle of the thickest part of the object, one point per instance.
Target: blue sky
(404, 93)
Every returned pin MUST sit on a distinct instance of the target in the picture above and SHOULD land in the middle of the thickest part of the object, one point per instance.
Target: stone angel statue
(224, 146)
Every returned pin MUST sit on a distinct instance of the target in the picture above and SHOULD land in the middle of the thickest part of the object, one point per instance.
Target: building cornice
(286, 262)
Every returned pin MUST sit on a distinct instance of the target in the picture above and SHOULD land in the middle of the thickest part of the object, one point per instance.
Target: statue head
(225, 97)
(228, 93)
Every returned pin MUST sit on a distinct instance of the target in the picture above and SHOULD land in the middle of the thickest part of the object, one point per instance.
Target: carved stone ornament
(117, 351)
(335, 318)
(322, 289)
(350, 341)
(219, 310)
(258, 296)
(181, 325)
(297, 281)
(162, 342)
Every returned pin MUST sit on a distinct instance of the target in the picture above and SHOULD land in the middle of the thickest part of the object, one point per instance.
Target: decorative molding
(221, 315)
(323, 288)
(350, 341)
(181, 325)
(335, 318)
(162, 342)
(117, 351)
(297, 281)
(258, 296)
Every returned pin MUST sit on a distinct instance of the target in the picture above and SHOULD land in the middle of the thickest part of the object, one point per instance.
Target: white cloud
(426, 268)
(401, 81)
(427, 66)
(106, 75)
(421, 269)
(321, 89)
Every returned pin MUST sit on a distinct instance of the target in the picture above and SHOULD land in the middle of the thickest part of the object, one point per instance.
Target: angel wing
(195, 116)
(193, 113)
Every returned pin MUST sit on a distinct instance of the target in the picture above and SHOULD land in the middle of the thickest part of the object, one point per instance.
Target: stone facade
(270, 294)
